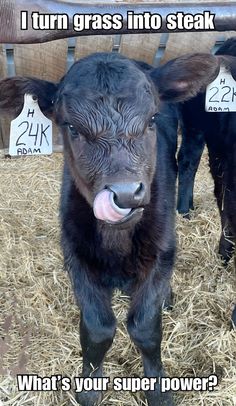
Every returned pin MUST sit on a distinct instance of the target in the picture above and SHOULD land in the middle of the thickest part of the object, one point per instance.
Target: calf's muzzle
(119, 203)
(128, 194)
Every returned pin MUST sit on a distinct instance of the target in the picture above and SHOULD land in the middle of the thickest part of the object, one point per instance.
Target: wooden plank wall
(49, 60)
(142, 48)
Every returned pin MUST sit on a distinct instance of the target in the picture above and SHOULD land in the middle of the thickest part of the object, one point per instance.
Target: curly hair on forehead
(105, 74)
(94, 117)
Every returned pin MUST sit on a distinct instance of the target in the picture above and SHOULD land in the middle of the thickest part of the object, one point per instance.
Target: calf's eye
(74, 133)
(151, 124)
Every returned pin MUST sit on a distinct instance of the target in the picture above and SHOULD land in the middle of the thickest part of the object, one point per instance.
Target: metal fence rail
(10, 17)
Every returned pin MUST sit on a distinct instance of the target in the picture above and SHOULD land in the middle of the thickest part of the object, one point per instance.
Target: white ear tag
(31, 131)
(221, 93)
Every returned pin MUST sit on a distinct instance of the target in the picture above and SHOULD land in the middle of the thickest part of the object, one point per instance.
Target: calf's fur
(119, 124)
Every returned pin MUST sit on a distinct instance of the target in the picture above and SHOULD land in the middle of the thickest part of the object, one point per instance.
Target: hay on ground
(39, 319)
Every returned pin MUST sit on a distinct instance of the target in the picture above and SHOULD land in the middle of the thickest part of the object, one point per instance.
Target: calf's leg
(223, 194)
(189, 157)
(96, 337)
(145, 327)
(97, 329)
(226, 244)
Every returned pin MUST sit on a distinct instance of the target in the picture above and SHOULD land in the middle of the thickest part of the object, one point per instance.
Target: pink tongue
(104, 207)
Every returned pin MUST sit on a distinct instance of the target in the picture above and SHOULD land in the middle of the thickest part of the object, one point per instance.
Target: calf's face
(106, 107)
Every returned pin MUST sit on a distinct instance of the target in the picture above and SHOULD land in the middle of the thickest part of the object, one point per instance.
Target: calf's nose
(130, 194)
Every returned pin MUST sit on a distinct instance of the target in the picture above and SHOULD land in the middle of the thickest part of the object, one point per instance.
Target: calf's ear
(12, 91)
(184, 77)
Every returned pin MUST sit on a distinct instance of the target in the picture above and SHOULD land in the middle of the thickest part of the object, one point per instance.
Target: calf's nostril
(140, 192)
(115, 199)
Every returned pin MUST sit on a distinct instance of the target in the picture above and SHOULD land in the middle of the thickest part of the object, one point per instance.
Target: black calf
(118, 192)
(218, 130)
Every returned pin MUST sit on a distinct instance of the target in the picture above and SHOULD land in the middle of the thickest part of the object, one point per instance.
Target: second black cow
(218, 130)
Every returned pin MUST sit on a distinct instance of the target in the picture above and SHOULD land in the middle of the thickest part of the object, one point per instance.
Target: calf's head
(106, 107)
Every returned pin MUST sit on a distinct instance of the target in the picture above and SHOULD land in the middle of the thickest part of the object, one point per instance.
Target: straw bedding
(39, 320)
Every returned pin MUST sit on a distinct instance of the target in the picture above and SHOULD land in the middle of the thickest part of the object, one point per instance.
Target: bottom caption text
(132, 384)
